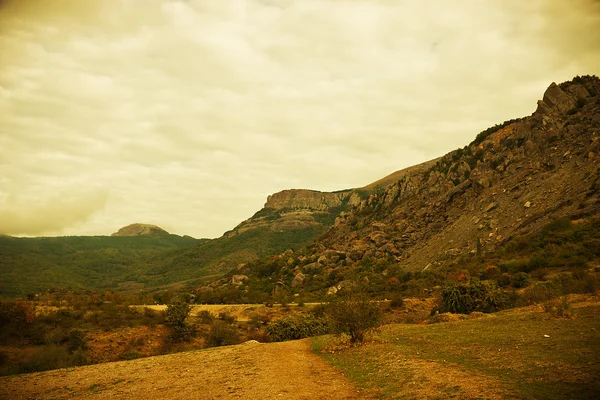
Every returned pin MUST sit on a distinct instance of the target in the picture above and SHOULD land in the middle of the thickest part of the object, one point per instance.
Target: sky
(188, 114)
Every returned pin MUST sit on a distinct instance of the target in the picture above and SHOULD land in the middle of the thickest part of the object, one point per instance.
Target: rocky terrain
(511, 180)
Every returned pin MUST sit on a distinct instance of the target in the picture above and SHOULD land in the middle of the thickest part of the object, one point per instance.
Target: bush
(559, 308)
(205, 317)
(175, 316)
(519, 280)
(354, 314)
(540, 292)
(76, 340)
(294, 327)
(225, 316)
(130, 355)
(472, 295)
(222, 334)
(397, 302)
(176, 313)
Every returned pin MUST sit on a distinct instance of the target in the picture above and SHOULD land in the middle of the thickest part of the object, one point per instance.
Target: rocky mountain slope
(511, 180)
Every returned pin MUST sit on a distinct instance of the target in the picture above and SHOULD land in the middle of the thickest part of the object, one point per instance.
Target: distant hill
(140, 230)
(30, 265)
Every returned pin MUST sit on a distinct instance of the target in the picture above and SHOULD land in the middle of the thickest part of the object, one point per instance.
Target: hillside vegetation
(31, 265)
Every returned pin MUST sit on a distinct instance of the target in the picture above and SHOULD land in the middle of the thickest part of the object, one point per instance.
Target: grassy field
(523, 354)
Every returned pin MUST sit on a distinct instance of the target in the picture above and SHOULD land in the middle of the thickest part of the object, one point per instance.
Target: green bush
(175, 317)
(472, 295)
(294, 327)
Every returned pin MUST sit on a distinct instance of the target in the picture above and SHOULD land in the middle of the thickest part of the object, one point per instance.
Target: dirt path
(287, 370)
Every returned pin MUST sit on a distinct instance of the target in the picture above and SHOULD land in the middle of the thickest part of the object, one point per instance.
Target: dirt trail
(287, 370)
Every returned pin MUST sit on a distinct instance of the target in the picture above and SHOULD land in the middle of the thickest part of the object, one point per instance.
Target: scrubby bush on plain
(471, 295)
(294, 327)
(354, 314)
(222, 334)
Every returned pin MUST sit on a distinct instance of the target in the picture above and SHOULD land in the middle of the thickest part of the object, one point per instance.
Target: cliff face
(298, 209)
(305, 199)
(512, 180)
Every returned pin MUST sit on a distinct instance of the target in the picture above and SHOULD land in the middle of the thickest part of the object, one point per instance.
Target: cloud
(187, 114)
(35, 216)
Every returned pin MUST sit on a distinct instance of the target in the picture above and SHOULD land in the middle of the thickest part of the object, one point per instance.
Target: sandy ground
(252, 370)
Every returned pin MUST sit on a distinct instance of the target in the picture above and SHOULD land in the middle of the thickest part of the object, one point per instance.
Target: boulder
(298, 279)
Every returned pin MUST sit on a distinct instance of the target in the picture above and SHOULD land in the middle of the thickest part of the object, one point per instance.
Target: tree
(354, 314)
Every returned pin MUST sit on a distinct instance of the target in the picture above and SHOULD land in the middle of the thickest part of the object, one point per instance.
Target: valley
(473, 275)
(523, 353)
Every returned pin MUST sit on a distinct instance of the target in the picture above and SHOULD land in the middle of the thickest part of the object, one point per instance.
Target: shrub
(397, 302)
(354, 314)
(540, 274)
(540, 292)
(152, 317)
(294, 327)
(130, 355)
(205, 317)
(225, 316)
(468, 296)
(519, 280)
(491, 272)
(76, 340)
(222, 334)
(559, 308)
(176, 313)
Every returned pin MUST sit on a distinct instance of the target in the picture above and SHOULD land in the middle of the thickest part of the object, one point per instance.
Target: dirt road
(252, 370)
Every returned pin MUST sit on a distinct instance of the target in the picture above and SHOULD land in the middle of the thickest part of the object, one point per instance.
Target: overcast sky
(187, 114)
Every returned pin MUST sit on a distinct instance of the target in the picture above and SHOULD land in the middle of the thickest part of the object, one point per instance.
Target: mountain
(144, 256)
(290, 219)
(140, 230)
(513, 180)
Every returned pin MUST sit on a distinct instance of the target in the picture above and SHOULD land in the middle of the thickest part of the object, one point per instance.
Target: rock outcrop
(295, 209)
(304, 199)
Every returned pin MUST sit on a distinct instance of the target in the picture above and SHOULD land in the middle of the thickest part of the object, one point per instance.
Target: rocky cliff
(298, 209)
(513, 179)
